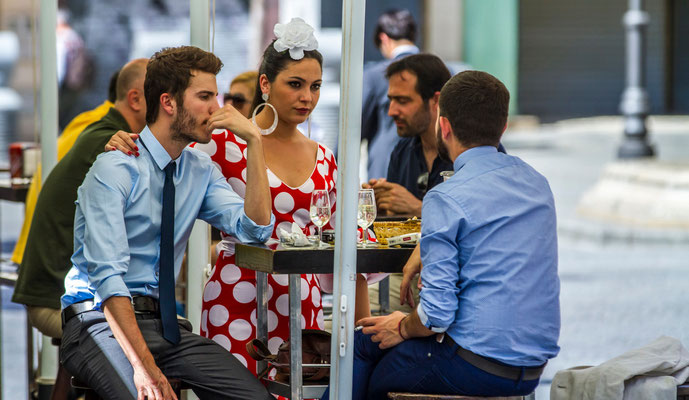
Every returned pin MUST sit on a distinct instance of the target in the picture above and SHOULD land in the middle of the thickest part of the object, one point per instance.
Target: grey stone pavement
(619, 291)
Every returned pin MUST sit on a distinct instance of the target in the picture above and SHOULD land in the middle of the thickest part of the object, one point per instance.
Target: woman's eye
(295, 84)
(316, 86)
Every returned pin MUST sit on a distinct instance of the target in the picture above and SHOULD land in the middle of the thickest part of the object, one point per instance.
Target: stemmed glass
(366, 212)
(320, 211)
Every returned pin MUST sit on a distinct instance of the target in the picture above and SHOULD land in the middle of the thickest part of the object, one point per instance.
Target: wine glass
(320, 211)
(366, 212)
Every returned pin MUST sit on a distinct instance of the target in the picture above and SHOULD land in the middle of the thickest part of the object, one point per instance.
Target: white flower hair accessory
(295, 36)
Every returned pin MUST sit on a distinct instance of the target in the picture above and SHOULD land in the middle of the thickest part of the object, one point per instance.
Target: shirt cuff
(255, 232)
(112, 286)
(424, 319)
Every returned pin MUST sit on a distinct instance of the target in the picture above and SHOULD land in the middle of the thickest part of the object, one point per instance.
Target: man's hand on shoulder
(231, 119)
(396, 199)
(124, 142)
(385, 329)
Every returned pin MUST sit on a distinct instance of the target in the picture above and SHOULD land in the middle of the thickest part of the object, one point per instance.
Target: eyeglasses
(234, 99)
(422, 182)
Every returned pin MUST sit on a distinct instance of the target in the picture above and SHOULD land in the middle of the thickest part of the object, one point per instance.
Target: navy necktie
(168, 313)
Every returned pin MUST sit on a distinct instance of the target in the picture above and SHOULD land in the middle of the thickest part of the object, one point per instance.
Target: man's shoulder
(377, 67)
(196, 156)
(102, 129)
(115, 162)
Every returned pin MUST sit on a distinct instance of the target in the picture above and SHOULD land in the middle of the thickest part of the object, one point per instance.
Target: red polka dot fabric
(229, 298)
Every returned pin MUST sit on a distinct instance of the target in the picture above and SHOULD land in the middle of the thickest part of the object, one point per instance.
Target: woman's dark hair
(397, 24)
(273, 63)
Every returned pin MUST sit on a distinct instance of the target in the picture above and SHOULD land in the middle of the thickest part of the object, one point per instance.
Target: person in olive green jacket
(49, 246)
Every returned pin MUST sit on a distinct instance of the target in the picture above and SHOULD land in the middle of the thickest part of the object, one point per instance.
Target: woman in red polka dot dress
(296, 166)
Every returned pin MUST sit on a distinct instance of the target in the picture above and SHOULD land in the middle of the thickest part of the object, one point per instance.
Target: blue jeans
(423, 365)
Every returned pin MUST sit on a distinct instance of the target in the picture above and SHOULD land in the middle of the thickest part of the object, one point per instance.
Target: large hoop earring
(265, 103)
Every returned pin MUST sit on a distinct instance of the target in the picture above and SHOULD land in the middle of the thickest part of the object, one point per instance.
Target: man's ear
(384, 38)
(167, 103)
(434, 101)
(445, 127)
(135, 99)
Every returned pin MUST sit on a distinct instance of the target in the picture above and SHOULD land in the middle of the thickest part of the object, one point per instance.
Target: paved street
(617, 293)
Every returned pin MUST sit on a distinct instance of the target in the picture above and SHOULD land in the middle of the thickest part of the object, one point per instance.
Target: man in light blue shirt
(488, 318)
(133, 218)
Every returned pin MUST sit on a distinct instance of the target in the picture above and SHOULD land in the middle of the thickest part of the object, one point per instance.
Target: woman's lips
(302, 111)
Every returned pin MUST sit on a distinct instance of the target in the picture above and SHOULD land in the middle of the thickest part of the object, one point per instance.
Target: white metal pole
(353, 13)
(198, 253)
(48, 112)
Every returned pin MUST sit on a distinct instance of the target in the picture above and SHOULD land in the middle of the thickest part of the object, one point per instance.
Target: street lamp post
(635, 105)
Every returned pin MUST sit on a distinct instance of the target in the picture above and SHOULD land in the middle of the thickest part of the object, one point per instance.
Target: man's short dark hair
(397, 24)
(431, 72)
(476, 104)
(169, 71)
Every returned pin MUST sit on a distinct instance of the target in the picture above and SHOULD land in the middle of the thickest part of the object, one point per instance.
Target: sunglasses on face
(234, 99)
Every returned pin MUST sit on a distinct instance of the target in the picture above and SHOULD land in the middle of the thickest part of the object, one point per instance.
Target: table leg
(295, 360)
(261, 313)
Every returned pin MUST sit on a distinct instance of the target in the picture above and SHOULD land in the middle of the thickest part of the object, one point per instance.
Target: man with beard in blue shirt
(488, 319)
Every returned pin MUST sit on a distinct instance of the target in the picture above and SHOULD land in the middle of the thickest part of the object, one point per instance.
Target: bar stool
(62, 386)
(414, 396)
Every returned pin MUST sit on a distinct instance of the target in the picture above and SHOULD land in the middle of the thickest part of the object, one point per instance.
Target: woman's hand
(231, 119)
(123, 142)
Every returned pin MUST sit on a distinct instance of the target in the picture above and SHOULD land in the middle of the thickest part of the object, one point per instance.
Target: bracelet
(399, 328)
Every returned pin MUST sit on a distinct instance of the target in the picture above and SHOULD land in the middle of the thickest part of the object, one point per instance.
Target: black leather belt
(494, 368)
(75, 309)
(143, 305)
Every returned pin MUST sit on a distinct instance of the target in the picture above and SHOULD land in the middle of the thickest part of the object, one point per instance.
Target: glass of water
(366, 212)
(319, 211)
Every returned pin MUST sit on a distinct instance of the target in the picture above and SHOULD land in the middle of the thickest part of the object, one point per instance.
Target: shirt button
(157, 274)
(429, 355)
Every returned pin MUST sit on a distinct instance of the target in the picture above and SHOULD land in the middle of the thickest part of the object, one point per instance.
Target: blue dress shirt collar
(160, 156)
(472, 153)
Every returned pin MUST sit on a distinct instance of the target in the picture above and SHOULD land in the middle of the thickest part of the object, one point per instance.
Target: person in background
(489, 315)
(75, 67)
(241, 94)
(64, 143)
(394, 36)
(413, 91)
(133, 219)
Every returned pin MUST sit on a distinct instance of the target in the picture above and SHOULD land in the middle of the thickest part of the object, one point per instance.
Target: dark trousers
(423, 365)
(90, 352)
